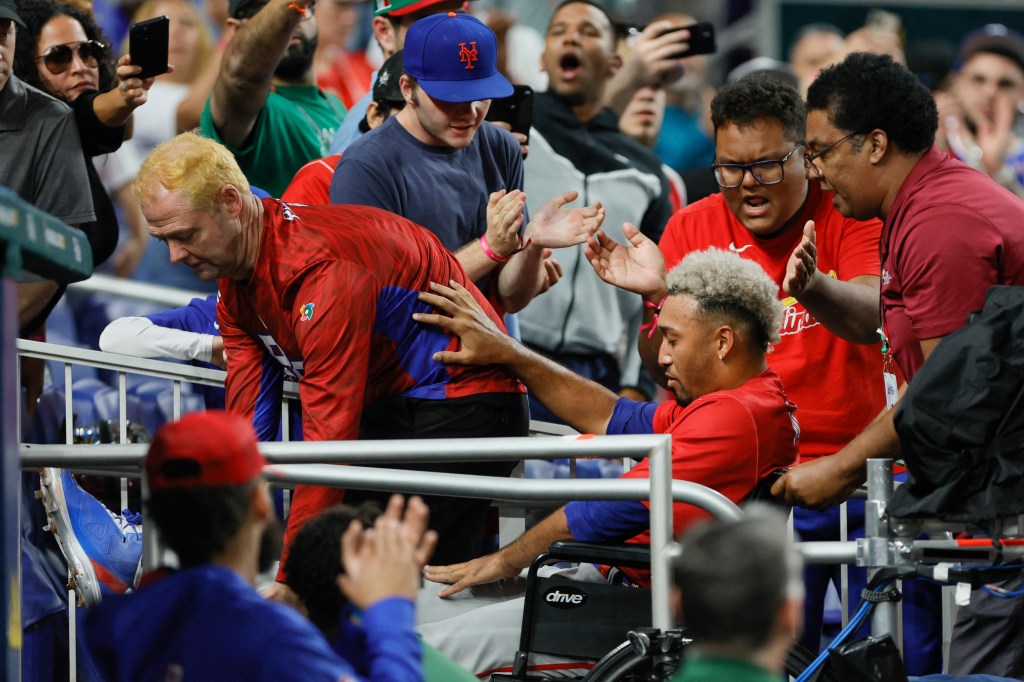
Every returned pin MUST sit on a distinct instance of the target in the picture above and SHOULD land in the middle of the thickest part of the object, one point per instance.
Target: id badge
(891, 389)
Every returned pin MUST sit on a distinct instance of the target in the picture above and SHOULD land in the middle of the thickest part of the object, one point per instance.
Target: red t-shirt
(836, 385)
(312, 183)
(349, 76)
(951, 233)
(727, 441)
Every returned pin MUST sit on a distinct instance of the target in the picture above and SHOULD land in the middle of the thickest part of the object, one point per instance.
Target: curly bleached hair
(728, 287)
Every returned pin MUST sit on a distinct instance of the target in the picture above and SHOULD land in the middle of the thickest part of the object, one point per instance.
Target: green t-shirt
(720, 669)
(295, 126)
(439, 668)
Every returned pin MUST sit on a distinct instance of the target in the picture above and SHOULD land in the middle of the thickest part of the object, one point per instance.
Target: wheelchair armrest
(762, 492)
(611, 553)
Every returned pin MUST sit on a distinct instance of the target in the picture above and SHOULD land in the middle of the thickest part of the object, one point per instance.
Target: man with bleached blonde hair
(324, 295)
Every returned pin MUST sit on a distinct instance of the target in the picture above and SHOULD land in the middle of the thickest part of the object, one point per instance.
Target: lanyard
(888, 371)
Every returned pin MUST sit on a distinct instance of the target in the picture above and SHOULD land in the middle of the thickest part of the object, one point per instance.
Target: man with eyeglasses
(950, 232)
(830, 362)
(265, 106)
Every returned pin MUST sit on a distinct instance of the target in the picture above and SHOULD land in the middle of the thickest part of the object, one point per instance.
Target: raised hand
(554, 226)
(386, 560)
(482, 342)
(134, 90)
(640, 269)
(653, 61)
(995, 136)
(803, 263)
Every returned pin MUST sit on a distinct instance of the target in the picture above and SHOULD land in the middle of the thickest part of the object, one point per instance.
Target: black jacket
(961, 423)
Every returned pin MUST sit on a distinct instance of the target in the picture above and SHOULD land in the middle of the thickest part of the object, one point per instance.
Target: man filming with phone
(265, 106)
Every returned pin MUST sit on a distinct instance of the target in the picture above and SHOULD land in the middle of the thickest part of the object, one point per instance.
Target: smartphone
(701, 41)
(516, 110)
(148, 45)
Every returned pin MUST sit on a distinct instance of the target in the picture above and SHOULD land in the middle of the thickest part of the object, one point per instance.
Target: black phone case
(516, 110)
(702, 40)
(148, 46)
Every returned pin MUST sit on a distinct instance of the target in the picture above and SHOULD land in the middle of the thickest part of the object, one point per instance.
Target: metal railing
(316, 463)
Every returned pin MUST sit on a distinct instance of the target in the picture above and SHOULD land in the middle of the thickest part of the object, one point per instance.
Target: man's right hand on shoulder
(483, 343)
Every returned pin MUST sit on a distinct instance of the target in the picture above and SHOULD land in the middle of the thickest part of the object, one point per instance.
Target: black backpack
(961, 422)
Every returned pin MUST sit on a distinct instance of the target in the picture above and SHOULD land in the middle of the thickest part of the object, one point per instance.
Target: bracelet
(491, 253)
(302, 11)
(653, 324)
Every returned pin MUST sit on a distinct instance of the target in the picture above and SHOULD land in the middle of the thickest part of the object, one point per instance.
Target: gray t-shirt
(42, 158)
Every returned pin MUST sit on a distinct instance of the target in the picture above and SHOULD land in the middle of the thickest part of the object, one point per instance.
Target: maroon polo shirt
(951, 233)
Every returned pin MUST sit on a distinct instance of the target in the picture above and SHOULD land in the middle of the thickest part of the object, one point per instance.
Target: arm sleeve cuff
(605, 521)
(631, 417)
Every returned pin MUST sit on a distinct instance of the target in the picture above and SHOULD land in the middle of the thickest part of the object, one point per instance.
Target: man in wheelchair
(730, 422)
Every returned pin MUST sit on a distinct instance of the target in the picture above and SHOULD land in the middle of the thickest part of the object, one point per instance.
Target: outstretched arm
(114, 107)
(847, 309)
(652, 62)
(506, 562)
(581, 403)
(247, 69)
(828, 481)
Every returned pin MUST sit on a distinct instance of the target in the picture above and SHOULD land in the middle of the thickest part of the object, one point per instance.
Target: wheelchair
(555, 607)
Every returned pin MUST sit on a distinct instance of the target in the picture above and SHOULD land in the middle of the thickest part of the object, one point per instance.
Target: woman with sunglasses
(61, 51)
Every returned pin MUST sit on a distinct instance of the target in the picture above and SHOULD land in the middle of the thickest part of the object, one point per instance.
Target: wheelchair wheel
(647, 655)
(630, 663)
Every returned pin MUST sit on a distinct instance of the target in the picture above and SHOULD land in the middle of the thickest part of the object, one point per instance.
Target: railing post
(661, 533)
(878, 537)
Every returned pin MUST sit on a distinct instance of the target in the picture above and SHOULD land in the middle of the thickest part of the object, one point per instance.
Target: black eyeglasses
(809, 159)
(730, 175)
(58, 57)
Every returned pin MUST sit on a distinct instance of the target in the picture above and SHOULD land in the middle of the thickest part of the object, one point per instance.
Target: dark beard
(297, 60)
(270, 546)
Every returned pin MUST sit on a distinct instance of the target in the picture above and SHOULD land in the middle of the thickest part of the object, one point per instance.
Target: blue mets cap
(454, 57)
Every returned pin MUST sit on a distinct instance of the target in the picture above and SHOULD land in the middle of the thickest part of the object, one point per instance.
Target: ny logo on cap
(468, 55)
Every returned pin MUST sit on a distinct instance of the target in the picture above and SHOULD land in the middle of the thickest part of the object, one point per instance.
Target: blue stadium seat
(147, 392)
(189, 403)
(107, 406)
(83, 399)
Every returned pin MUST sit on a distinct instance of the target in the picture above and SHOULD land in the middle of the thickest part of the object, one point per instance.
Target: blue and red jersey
(330, 304)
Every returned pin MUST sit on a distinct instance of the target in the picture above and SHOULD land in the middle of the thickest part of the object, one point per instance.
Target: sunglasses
(57, 58)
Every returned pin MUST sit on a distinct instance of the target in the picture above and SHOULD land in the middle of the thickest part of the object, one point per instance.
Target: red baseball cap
(398, 8)
(203, 449)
